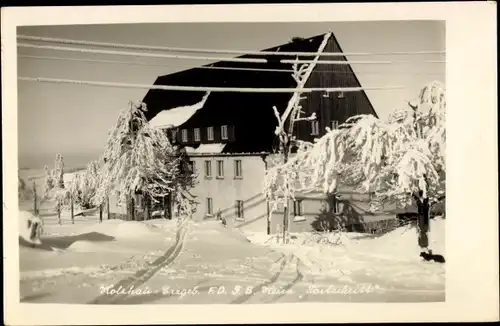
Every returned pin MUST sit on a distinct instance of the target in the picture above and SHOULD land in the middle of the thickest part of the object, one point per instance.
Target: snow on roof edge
(177, 116)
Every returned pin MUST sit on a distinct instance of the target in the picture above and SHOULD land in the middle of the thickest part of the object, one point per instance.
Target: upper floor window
(220, 169)
(223, 132)
(315, 127)
(208, 169)
(192, 166)
(184, 135)
(335, 124)
(197, 136)
(210, 133)
(341, 95)
(238, 172)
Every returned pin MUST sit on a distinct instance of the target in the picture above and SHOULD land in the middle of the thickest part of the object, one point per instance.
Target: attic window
(223, 132)
(173, 133)
(210, 133)
(184, 135)
(197, 134)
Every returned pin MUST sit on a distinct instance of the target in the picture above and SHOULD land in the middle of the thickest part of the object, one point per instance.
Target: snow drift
(123, 229)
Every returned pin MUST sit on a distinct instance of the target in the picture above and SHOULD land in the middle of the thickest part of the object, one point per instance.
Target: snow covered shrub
(30, 227)
(84, 185)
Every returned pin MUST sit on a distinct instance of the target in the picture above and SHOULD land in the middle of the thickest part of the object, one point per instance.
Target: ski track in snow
(143, 275)
(297, 268)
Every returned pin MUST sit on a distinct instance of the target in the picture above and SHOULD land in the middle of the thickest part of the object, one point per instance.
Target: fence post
(72, 212)
(132, 208)
(100, 213)
(35, 208)
(147, 208)
(59, 211)
(107, 207)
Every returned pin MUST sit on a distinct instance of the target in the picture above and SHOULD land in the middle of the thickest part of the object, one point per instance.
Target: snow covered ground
(86, 261)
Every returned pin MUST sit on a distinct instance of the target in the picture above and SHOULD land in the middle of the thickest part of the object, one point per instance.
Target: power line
(204, 89)
(218, 51)
(172, 56)
(138, 63)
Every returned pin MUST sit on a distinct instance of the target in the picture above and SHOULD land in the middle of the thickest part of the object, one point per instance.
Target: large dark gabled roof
(158, 100)
(251, 113)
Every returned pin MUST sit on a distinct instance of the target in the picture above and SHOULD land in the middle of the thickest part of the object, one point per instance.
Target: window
(340, 95)
(335, 124)
(315, 127)
(210, 206)
(184, 135)
(220, 169)
(297, 207)
(223, 132)
(173, 134)
(208, 169)
(197, 136)
(210, 133)
(239, 209)
(192, 166)
(238, 172)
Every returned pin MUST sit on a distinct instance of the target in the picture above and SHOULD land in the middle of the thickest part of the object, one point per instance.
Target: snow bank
(402, 242)
(123, 229)
(87, 246)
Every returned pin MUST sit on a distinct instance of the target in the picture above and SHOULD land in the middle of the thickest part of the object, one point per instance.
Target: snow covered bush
(84, 185)
(30, 227)
(402, 159)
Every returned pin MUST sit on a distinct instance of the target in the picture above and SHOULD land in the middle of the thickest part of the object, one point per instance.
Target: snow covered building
(229, 136)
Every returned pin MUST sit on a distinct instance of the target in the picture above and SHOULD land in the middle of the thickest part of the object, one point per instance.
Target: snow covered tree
(138, 159)
(401, 160)
(49, 182)
(284, 190)
(59, 171)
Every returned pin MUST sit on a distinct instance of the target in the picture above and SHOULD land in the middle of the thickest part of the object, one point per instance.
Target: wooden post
(107, 207)
(164, 207)
(132, 208)
(285, 223)
(100, 213)
(147, 210)
(59, 211)
(72, 211)
(35, 208)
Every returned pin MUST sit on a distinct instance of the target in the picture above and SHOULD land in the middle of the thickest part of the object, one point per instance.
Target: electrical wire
(218, 51)
(204, 88)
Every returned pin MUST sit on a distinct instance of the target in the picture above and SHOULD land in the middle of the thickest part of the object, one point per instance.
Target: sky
(74, 120)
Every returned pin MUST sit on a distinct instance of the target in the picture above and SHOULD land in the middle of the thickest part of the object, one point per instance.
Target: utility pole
(301, 75)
